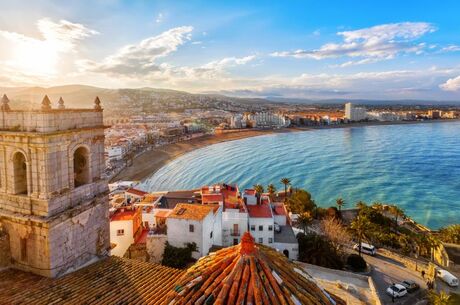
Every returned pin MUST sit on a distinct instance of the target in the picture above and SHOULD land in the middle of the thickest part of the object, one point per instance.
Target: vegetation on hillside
(450, 234)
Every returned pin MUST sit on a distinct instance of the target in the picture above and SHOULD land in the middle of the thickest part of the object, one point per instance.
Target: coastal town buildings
(199, 224)
(125, 227)
(354, 114)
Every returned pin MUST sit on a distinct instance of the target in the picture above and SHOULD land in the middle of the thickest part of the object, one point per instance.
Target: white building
(238, 121)
(268, 120)
(115, 153)
(125, 226)
(354, 114)
(196, 223)
(261, 221)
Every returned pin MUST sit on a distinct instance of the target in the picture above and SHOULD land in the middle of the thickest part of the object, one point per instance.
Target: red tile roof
(127, 214)
(279, 210)
(259, 211)
(136, 192)
(212, 198)
(110, 281)
(250, 192)
(247, 274)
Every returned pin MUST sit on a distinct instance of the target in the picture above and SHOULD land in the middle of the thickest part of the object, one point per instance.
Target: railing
(235, 232)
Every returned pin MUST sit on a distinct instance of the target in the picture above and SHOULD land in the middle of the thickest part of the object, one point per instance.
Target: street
(386, 272)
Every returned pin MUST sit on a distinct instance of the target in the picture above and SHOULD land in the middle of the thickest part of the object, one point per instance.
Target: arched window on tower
(20, 173)
(81, 167)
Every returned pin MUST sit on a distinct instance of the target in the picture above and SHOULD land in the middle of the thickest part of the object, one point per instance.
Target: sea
(416, 166)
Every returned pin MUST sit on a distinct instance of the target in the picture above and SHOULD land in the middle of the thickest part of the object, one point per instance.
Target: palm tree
(286, 182)
(440, 299)
(360, 225)
(378, 207)
(259, 189)
(361, 205)
(340, 203)
(271, 189)
(304, 220)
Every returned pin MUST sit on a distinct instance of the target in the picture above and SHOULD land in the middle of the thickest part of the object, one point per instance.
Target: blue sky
(304, 49)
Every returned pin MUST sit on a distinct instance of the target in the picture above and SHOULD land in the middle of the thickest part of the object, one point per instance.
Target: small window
(210, 235)
(235, 241)
(270, 228)
(191, 228)
(120, 232)
(261, 228)
(270, 240)
(146, 224)
(261, 240)
(253, 227)
(24, 249)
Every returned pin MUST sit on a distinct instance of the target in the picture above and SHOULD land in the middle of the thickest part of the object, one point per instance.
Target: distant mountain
(127, 101)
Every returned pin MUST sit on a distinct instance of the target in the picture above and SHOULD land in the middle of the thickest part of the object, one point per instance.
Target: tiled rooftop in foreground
(248, 273)
(110, 281)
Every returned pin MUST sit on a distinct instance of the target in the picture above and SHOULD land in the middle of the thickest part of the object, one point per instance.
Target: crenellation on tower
(53, 202)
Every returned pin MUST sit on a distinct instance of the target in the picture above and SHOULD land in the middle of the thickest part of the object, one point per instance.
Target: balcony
(234, 232)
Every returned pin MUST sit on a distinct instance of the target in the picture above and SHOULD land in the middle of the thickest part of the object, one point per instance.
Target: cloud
(452, 84)
(159, 18)
(39, 57)
(140, 59)
(378, 42)
(451, 48)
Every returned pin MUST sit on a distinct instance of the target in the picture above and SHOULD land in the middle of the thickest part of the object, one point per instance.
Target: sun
(38, 58)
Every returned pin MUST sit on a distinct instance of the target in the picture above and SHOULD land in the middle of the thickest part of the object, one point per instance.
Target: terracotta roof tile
(110, 281)
(247, 274)
(136, 192)
(259, 211)
(191, 211)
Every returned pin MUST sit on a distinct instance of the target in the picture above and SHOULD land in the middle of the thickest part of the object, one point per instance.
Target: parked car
(366, 249)
(397, 290)
(410, 285)
(447, 277)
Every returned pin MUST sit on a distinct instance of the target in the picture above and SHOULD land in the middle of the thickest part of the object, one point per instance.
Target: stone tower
(53, 202)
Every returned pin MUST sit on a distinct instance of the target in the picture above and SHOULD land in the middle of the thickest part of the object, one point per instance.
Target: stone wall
(55, 246)
(51, 120)
(50, 170)
(5, 256)
(156, 247)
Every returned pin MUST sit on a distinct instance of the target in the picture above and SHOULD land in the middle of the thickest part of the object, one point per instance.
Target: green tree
(361, 205)
(176, 257)
(450, 234)
(304, 220)
(397, 212)
(315, 249)
(271, 189)
(301, 202)
(286, 182)
(360, 225)
(340, 203)
(441, 298)
(259, 189)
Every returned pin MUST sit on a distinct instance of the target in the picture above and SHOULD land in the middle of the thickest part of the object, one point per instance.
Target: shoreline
(149, 162)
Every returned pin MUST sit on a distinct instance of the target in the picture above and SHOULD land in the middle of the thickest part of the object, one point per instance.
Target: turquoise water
(415, 166)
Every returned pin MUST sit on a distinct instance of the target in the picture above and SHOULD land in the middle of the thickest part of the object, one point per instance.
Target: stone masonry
(53, 202)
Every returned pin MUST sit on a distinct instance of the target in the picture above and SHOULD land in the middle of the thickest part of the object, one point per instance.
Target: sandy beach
(151, 161)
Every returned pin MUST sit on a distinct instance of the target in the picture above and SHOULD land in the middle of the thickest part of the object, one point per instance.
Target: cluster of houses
(211, 217)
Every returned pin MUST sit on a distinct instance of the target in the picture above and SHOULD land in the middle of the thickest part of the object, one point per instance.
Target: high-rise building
(53, 202)
(353, 113)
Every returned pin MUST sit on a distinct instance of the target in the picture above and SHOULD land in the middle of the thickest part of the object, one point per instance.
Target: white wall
(265, 234)
(230, 217)
(122, 242)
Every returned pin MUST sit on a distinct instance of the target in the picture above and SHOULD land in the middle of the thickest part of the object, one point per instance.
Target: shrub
(315, 249)
(356, 262)
(176, 257)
